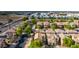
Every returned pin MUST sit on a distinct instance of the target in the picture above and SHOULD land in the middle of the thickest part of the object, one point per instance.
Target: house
(61, 24)
(51, 38)
(76, 22)
(75, 37)
(39, 34)
(46, 24)
(40, 23)
(60, 34)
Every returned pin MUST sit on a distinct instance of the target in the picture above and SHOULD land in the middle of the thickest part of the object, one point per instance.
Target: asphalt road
(12, 24)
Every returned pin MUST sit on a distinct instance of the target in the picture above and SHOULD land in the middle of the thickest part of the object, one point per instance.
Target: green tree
(33, 21)
(54, 26)
(52, 20)
(67, 41)
(67, 26)
(24, 24)
(71, 19)
(18, 31)
(32, 17)
(70, 26)
(28, 30)
(36, 43)
(24, 18)
(38, 27)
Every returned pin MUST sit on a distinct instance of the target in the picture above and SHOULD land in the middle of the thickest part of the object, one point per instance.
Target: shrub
(54, 26)
(18, 31)
(28, 30)
(75, 46)
(36, 43)
(33, 21)
(24, 18)
(67, 41)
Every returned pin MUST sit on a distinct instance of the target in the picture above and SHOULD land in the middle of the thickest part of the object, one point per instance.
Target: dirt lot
(4, 19)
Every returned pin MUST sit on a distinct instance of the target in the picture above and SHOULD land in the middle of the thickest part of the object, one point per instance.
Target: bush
(54, 26)
(24, 18)
(67, 41)
(36, 43)
(33, 21)
(24, 24)
(38, 27)
(52, 20)
(28, 30)
(18, 31)
(71, 19)
(75, 46)
(32, 17)
(70, 26)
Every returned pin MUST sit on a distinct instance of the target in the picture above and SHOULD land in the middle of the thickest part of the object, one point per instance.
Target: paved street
(14, 24)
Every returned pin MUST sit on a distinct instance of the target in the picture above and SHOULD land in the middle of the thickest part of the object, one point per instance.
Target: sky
(39, 5)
